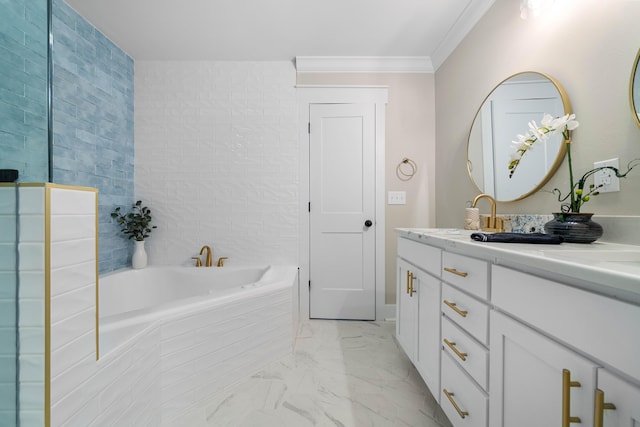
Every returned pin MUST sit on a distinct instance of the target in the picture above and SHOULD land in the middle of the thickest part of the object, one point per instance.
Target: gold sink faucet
(494, 223)
(221, 261)
(209, 259)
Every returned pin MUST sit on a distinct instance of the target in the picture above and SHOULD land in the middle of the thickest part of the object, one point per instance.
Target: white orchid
(549, 126)
(578, 194)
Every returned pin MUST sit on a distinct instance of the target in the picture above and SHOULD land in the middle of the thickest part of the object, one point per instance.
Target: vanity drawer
(469, 274)
(470, 355)
(458, 390)
(602, 327)
(426, 257)
(471, 314)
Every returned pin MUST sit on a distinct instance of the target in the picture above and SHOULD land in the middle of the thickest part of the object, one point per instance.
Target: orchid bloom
(549, 126)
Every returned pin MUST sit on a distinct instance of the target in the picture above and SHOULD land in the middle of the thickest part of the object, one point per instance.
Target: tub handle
(198, 261)
(221, 261)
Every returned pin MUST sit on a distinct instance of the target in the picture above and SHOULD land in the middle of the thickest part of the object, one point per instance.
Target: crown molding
(465, 23)
(364, 64)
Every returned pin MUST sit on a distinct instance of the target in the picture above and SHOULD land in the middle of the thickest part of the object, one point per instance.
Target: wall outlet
(606, 178)
(397, 198)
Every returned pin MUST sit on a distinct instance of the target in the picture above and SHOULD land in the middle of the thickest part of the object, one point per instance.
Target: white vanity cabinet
(548, 344)
(616, 402)
(465, 358)
(525, 340)
(418, 309)
(533, 378)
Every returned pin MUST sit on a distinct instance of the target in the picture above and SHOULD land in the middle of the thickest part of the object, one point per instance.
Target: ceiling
(266, 30)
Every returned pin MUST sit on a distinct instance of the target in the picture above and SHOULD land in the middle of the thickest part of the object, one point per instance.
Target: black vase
(574, 227)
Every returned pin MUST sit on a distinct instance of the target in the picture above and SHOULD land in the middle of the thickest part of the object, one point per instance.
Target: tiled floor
(341, 374)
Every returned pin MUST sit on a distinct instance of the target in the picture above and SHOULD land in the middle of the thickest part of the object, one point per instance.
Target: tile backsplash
(621, 229)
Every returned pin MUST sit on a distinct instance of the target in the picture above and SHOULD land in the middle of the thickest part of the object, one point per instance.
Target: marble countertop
(610, 269)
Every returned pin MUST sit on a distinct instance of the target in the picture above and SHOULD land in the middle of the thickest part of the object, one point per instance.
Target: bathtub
(216, 326)
(131, 300)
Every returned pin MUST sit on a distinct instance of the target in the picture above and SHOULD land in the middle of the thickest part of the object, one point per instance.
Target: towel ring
(406, 169)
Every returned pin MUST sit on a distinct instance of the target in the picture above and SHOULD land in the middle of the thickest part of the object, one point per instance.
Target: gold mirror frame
(634, 96)
(561, 150)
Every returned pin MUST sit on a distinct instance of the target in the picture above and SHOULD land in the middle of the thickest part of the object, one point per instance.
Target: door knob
(368, 223)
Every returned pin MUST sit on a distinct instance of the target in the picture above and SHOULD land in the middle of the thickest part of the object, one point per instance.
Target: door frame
(321, 94)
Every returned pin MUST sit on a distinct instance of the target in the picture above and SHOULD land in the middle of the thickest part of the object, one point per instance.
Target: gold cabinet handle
(463, 414)
(456, 272)
(410, 289)
(600, 407)
(566, 398)
(453, 347)
(454, 307)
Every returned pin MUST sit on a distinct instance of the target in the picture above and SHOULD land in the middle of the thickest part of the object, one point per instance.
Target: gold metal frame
(47, 286)
(634, 71)
(561, 152)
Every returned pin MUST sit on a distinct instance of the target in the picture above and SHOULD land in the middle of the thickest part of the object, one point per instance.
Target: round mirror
(634, 90)
(504, 114)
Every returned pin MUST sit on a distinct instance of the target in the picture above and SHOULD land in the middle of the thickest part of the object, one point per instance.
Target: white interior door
(342, 221)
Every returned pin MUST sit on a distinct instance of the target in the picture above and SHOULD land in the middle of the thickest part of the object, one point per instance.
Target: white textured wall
(73, 279)
(216, 159)
(120, 389)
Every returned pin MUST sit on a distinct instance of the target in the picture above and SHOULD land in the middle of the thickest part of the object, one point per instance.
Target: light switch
(397, 198)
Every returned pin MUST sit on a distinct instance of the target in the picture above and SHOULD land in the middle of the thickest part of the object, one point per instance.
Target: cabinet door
(534, 381)
(429, 317)
(617, 402)
(406, 310)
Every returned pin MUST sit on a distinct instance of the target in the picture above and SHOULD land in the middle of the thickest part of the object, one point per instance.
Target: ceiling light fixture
(534, 8)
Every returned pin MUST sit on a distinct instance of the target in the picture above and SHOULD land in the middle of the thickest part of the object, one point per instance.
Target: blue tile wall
(93, 123)
(23, 89)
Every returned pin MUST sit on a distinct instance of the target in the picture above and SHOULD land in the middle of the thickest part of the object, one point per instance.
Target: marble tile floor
(341, 374)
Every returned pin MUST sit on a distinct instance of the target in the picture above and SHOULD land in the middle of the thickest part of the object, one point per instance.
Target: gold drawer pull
(453, 347)
(456, 272)
(410, 278)
(566, 398)
(600, 407)
(463, 414)
(454, 307)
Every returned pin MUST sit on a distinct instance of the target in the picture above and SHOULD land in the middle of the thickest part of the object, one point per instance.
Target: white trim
(364, 64)
(342, 95)
(465, 23)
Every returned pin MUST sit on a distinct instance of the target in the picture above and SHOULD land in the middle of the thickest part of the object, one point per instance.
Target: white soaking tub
(217, 325)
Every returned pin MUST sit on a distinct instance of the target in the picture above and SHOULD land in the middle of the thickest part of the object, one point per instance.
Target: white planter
(139, 258)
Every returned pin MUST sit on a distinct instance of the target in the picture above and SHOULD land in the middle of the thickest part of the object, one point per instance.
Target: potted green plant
(137, 225)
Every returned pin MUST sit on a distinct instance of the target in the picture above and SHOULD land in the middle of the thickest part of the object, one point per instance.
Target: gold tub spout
(209, 259)
(494, 224)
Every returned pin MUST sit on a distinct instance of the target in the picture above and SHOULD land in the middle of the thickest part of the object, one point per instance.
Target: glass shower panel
(8, 306)
(24, 89)
(24, 146)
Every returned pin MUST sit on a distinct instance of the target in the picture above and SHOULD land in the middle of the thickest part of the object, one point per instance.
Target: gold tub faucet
(209, 259)
(494, 223)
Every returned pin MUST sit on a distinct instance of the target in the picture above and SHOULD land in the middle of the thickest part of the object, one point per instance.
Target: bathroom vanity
(522, 334)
